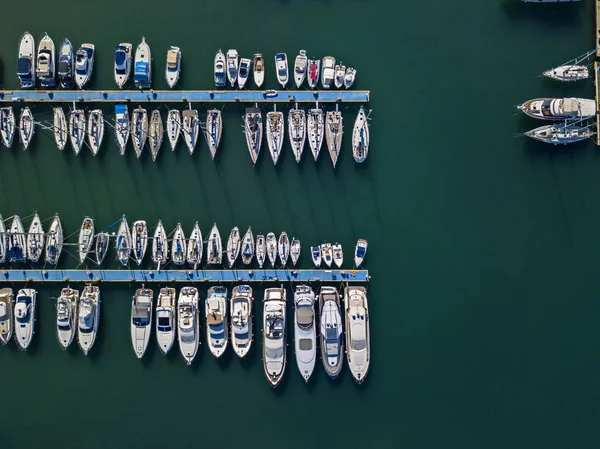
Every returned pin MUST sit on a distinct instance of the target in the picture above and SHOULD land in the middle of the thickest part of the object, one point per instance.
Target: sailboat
(122, 127)
(334, 131)
(300, 66)
(66, 316)
(95, 130)
(54, 241)
(86, 238)
(156, 132)
(297, 131)
(16, 249)
(173, 67)
(247, 247)
(160, 246)
(66, 65)
(25, 63)
(26, 127)
(77, 130)
(560, 134)
(139, 125)
(142, 75)
(140, 240)
(261, 250)
(315, 128)
(360, 137)
(123, 243)
(258, 68)
(253, 129)
(195, 247)
(241, 319)
(102, 243)
(3, 240)
(173, 127)
(191, 125)
(233, 246)
(272, 248)
(178, 251)
(214, 247)
(7, 126)
(35, 239)
(61, 132)
(571, 70)
(283, 248)
(122, 67)
(295, 250)
(275, 133)
(214, 129)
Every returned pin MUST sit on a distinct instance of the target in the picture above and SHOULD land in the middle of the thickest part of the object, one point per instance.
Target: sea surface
(484, 247)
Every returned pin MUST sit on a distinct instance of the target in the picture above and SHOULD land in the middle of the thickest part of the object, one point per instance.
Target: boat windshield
(358, 345)
(64, 68)
(23, 67)
(282, 72)
(22, 309)
(141, 321)
(243, 71)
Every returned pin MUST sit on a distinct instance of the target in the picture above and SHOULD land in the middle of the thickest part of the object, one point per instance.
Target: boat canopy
(23, 66)
(120, 56)
(120, 109)
(172, 59)
(360, 251)
(64, 68)
(141, 71)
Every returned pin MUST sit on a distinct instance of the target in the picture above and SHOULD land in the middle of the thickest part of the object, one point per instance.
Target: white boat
(300, 67)
(122, 67)
(334, 131)
(7, 126)
(281, 67)
(275, 133)
(232, 66)
(305, 330)
(316, 130)
(54, 241)
(188, 323)
(123, 243)
(244, 72)
(297, 131)
(61, 131)
(214, 129)
(66, 65)
(274, 335)
(258, 69)
(283, 247)
(142, 72)
(219, 69)
(327, 71)
(214, 247)
(358, 341)
(340, 73)
(332, 339)
(165, 319)
(360, 251)
(241, 319)
(95, 130)
(178, 246)
(217, 328)
(35, 239)
(66, 316)
(272, 248)
(89, 317)
(84, 64)
(247, 250)
(173, 127)
(295, 250)
(327, 254)
(349, 77)
(122, 127)
(338, 255)
(156, 132)
(25, 63)
(195, 247)
(315, 253)
(46, 62)
(3, 240)
(559, 108)
(16, 249)
(139, 235)
(141, 320)
(253, 129)
(233, 246)
(86, 238)
(191, 126)
(314, 70)
(139, 130)
(7, 299)
(26, 127)
(25, 306)
(261, 250)
(102, 244)
(560, 134)
(160, 246)
(173, 66)
(360, 137)
(77, 129)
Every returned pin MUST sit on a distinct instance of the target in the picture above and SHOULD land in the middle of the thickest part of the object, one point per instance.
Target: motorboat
(25, 67)
(7, 299)
(35, 239)
(217, 328)
(190, 129)
(178, 246)
(275, 133)
(560, 134)
(61, 131)
(349, 77)
(139, 130)
(46, 62)
(160, 246)
(258, 68)
(315, 253)
(274, 334)
(300, 66)
(122, 63)
(24, 312)
(7, 126)
(188, 323)
(281, 67)
(102, 243)
(77, 129)
(195, 247)
(214, 247)
(314, 69)
(66, 65)
(332, 340)
(122, 126)
(283, 247)
(559, 108)
(142, 74)
(214, 129)
(219, 72)
(173, 127)
(253, 129)
(244, 72)
(26, 127)
(66, 316)
(95, 130)
(156, 132)
(54, 241)
(123, 244)
(358, 342)
(305, 330)
(173, 67)
(327, 254)
(315, 127)
(233, 246)
(334, 131)
(261, 250)
(295, 250)
(247, 247)
(139, 235)
(86, 238)
(340, 73)
(297, 131)
(165, 319)
(360, 137)
(272, 248)
(240, 308)
(3, 240)
(89, 317)
(327, 71)
(232, 66)
(16, 249)
(569, 72)
(360, 251)
(338, 255)
(141, 320)
(84, 64)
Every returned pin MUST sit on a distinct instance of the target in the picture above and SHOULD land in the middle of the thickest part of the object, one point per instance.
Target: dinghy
(305, 333)
(338, 255)
(315, 128)
(16, 250)
(122, 63)
(77, 129)
(84, 64)
(274, 335)
(35, 239)
(244, 72)
(340, 73)
(358, 344)
(360, 137)
(61, 132)
(327, 71)
(160, 246)
(178, 246)
(86, 238)
(26, 127)
(349, 77)
(295, 250)
(327, 254)
(195, 246)
(122, 126)
(156, 133)
(275, 133)
(123, 243)
(102, 243)
(283, 248)
(54, 242)
(253, 129)
(261, 250)
(142, 75)
(360, 252)
(188, 323)
(315, 252)
(139, 234)
(219, 72)
(214, 129)
(7, 299)
(214, 247)
(7, 126)
(232, 66)
(248, 247)
(334, 131)
(173, 127)
(332, 339)
(46, 62)
(297, 131)
(300, 66)
(95, 130)
(139, 125)
(173, 66)
(217, 328)
(25, 307)
(272, 248)
(241, 319)
(66, 65)
(191, 126)
(258, 69)
(141, 320)
(88, 318)
(233, 246)
(281, 67)
(3, 240)
(314, 69)
(66, 316)
(165, 319)
(25, 67)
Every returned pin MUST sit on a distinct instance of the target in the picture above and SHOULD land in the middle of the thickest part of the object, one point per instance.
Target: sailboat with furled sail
(7, 126)
(253, 129)
(156, 133)
(123, 244)
(297, 131)
(140, 240)
(95, 130)
(315, 127)
(191, 126)
(173, 127)
(215, 247)
(275, 133)
(139, 125)
(122, 126)
(334, 131)
(178, 246)
(77, 129)
(61, 132)
(160, 246)
(360, 137)
(213, 130)
(54, 241)
(194, 247)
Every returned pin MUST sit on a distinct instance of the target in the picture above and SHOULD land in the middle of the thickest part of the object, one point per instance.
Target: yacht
(95, 130)
(173, 127)
(139, 235)
(340, 73)
(360, 252)
(360, 137)
(160, 246)
(25, 67)
(195, 247)
(7, 299)
(295, 250)
(165, 319)
(66, 316)
(338, 255)
(122, 126)
(66, 65)
(327, 71)
(241, 319)
(214, 247)
(283, 247)
(274, 335)
(3, 240)
(84, 64)
(156, 132)
(187, 323)
(253, 129)
(54, 241)
(332, 340)
(16, 249)
(46, 62)
(141, 320)
(275, 133)
(123, 244)
(327, 254)
(315, 127)
(248, 247)
(178, 246)
(305, 333)
(334, 131)
(217, 329)
(26, 127)
(281, 67)
(314, 69)
(86, 238)
(349, 77)
(77, 129)
(560, 134)
(300, 66)
(214, 129)
(272, 248)
(61, 131)
(261, 250)
(122, 63)
(173, 66)
(7, 126)
(232, 66)
(358, 344)
(559, 108)
(233, 246)
(258, 69)
(191, 126)
(219, 72)
(244, 72)
(139, 130)
(25, 317)
(35, 239)
(315, 252)
(297, 131)
(102, 243)
(142, 75)
(89, 317)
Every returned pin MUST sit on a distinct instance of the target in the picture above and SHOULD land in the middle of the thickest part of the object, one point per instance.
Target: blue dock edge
(174, 96)
(165, 276)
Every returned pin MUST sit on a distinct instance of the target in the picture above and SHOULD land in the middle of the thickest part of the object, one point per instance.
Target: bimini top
(120, 109)
(120, 57)
(23, 66)
(141, 71)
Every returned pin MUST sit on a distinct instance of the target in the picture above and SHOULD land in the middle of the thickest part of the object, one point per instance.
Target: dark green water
(483, 247)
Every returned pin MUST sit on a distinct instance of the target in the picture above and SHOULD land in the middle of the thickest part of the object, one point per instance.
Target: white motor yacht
(241, 319)
(89, 317)
(232, 66)
(258, 69)
(122, 66)
(305, 333)
(244, 72)
(141, 320)
(327, 254)
(300, 66)
(66, 316)
(219, 69)
(327, 71)
(559, 108)
(84, 64)
(281, 67)
(360, 251)
(26, 61)
(165, 319)
(217, 328)
(7, 300)
(358, 344)
(142, 72)
(274, 334)
(25, 306)
(187, 323)
(332, 340)
(173, 67)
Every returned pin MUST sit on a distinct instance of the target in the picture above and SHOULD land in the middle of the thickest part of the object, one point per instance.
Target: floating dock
(185, 96)
(597, 96)
(597, 28)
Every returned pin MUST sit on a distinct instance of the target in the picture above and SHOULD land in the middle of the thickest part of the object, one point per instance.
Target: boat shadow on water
(552, 13)
(576, 150)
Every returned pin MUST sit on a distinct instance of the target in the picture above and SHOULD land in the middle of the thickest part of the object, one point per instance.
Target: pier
(597, 96)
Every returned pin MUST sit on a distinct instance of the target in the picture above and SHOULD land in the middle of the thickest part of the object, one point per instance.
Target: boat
(122, 127)
(77, 130)
(232, 66)
(195, 247)
(349, 77)
(295, 250)
(332, 340)
(190, 128)
(253, 129)
(338, 255)
(141, 320)
(360, 137)
(142, 74)
(26, 127)
(315, 128)
(84, 64)
(16, 249)
(66, 316)
(156, 132)
(139, 235)
(559, 108)
(297, 131)
(165, 319)
(274, 335)
(173, 66)
(160, 246)
(358, 341)
(314, 69)
(122, 63)
(327, 71)
(217, 328)
(281, 67)
(46, 62)
(334, 131)
(89, 317)
(315, 252)
(247, 247)
(305, 333)
(261, 250)
(3, 240)
(300, 66)
(86, 238)
(35, 239)
(66, 65)
(123, 244)
(7, 299)
(95, 130)
(139, 130)
(244, 72)
(560, 134)
(24, 312)
(25, 67)
(272, 248)
(173, 127)
(258, 68)
(340, 73)
(233, 246)
(360, 251)
(214, 247)
(61, 131)
(188, 324)
(7, 126)
(54, 241)
(240, 307)
(571, 70)
(214, 129)
(327, 254)
(283, 247)
(102, 243)
(178, 246)
(275, 133)
(219, 72)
